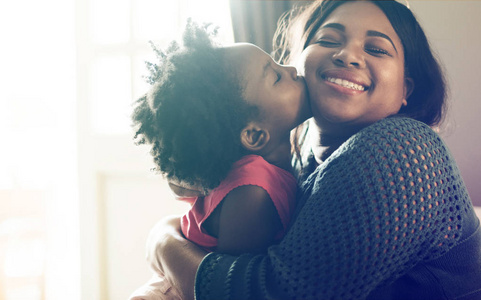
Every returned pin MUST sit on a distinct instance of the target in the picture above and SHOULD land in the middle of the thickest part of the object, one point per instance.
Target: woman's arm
(248, 222)
(169, 253)
(368, 215)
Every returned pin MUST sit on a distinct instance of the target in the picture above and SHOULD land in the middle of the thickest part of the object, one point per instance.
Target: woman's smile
(354, 68)
(345, 82)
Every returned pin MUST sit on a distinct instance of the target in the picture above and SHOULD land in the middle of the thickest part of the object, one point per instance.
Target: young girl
(220, 118)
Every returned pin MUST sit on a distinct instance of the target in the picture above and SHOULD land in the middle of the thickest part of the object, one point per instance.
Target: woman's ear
(408, 89)
(253, 137)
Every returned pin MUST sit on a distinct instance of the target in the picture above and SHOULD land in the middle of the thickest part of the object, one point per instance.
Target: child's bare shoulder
(248, 221)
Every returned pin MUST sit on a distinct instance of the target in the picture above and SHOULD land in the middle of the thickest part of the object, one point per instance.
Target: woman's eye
(328, 43)
(377, 51)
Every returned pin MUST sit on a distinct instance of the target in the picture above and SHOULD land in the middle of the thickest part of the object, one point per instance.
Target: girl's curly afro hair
(195, 111)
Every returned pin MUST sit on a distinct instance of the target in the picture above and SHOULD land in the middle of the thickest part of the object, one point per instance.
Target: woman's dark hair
(195, 111)
(427, 102)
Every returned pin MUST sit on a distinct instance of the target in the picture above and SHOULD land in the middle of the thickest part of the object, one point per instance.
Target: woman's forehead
(359, 13)
(361, 16)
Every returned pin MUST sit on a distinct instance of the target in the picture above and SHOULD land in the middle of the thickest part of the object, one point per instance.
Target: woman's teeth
(345, 83)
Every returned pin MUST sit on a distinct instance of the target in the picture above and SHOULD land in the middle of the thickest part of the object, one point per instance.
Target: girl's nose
(292, 71)
(349, 56)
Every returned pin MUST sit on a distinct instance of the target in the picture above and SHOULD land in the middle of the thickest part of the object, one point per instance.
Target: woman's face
(354, 69)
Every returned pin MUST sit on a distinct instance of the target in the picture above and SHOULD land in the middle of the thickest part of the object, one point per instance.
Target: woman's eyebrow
(337, 26)
(382, 35)
(342, 28)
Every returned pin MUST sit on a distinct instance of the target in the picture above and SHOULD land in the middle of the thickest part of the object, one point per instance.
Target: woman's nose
(349, 56)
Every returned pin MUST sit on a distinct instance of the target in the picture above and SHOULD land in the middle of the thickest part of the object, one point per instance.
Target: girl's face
(354, 69)
(276, 89)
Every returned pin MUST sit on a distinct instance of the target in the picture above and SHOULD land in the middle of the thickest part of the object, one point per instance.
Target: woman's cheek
(300, 66)
(315, 99)
(303, 61)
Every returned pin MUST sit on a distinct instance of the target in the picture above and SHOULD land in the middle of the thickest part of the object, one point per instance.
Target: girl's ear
(408, 89)
(253, 137)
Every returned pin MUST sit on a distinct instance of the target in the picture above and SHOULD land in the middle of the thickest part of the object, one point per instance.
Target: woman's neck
(324, 144)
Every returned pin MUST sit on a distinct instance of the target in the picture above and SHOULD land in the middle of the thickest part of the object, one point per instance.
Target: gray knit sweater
(387, 216)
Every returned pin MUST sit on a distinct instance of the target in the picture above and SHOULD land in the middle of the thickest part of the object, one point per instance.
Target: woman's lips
(345, 80)
(346, 83)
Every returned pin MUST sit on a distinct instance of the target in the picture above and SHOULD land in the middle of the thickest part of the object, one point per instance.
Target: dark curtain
(255, 21)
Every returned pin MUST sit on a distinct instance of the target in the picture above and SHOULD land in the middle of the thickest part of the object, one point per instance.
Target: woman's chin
(335, 117)
(336, 124)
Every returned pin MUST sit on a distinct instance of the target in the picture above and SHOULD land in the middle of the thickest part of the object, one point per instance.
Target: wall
(453, 30)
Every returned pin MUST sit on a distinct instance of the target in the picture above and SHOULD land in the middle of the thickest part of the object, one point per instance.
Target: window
(115, 47)
(73, 68)
(38, 171)
(114, 174)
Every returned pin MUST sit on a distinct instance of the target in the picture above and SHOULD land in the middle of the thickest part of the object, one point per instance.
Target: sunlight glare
(213, 11)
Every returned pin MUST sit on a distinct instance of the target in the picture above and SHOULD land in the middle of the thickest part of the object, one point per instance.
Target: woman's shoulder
(397, 126)
(395, 139)
(400, 132)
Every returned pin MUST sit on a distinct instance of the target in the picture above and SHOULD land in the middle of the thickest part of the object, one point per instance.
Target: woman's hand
(184, 192)
(173, 256)
(157, 238)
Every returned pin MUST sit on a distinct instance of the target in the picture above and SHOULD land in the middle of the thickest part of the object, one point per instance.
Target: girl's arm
(246, 221)
(248, 202)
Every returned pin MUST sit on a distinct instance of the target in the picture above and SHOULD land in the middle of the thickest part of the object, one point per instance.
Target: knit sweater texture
(386, 216)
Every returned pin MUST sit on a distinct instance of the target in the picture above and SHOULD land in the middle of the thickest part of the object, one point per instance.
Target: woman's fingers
(166, 227)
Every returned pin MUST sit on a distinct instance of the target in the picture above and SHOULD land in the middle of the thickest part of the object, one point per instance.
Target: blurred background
(77, 198)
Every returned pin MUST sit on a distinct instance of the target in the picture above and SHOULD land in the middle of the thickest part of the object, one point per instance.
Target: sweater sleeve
(387, 199)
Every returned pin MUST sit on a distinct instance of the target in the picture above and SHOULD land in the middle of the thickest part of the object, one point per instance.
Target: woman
(383, 212)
